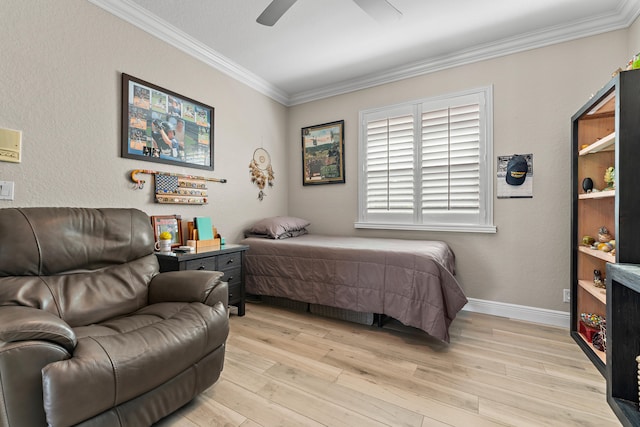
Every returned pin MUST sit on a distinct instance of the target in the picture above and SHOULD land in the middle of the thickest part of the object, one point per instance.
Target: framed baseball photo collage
(161, 126)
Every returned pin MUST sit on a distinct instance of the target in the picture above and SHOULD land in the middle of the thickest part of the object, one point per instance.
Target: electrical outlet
(566, 295)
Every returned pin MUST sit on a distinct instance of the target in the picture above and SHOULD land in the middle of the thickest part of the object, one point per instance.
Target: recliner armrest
(189, 286)
(18, 323)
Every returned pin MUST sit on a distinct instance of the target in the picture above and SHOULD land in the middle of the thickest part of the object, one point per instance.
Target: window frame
(482, 222)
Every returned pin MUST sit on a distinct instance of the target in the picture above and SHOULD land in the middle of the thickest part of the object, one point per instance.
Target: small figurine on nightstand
(597, 279)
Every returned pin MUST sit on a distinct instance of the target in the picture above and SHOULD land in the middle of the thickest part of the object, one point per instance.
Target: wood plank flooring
(288, 368)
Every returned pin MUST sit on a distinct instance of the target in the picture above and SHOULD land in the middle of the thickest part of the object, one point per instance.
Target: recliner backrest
(83, 265)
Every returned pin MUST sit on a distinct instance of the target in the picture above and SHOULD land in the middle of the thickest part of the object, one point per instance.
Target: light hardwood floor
(287, 368)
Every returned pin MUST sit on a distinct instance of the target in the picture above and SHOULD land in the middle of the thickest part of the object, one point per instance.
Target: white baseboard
(519, 312)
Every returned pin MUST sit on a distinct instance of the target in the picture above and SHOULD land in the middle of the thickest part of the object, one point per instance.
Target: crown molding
(129, 11)
(139, 17)
(621, 18)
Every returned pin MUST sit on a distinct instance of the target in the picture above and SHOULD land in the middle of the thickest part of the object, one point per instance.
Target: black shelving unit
(606, 132)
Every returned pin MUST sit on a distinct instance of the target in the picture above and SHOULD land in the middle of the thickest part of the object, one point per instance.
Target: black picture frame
(323, 154)
(150, 113)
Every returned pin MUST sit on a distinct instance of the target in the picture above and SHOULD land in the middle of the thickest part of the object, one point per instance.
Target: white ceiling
(321, 48)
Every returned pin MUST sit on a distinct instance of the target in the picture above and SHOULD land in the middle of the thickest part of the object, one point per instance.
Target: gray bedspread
(410, 280)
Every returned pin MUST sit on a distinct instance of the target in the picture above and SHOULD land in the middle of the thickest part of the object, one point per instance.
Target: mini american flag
(166, 184)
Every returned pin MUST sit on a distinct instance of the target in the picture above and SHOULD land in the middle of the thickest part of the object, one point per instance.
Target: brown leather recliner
(90, 332)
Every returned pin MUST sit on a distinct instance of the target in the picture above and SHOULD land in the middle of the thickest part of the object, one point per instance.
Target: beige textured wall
(60, 68)
(535, 94)
(61, 65)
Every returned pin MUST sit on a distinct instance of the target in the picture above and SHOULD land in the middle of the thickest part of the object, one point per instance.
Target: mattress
(410, 280)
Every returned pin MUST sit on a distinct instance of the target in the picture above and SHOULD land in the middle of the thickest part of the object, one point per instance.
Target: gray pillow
(278, 227)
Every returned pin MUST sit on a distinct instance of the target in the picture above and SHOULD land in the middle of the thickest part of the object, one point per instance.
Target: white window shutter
(450, 174)
(426, 164)
(390, 159)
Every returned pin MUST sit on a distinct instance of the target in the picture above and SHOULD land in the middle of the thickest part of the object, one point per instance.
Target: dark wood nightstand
(229, 259)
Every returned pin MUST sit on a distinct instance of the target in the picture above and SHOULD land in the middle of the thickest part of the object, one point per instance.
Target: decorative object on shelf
(175, 187)
(261, 171)
(610, 178)
(587, 331)
(599, 339)
(587, 185)
(597, 279)
(633, 64)
(591, 320)
(323, 154)
(163, 127)
(588, 240)
(599, 342)
(605, 247)
(167, 226)
(603, 235)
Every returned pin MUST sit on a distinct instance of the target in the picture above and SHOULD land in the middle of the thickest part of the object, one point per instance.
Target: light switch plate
(6, 190)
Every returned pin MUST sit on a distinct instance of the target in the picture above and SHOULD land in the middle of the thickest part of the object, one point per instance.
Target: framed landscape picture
(161, 126)
(323, 154)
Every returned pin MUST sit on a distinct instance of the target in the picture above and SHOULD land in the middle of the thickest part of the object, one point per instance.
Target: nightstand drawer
(227, 261)
(235, 293)
(202, 264)
(232, 276)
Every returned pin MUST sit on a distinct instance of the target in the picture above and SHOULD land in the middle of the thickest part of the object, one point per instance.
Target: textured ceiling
(321, 48)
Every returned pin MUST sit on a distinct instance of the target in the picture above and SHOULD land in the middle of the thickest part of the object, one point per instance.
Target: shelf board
(606, 106)
(597, 195)
(606, 143)
(599, 293)
(605, 256)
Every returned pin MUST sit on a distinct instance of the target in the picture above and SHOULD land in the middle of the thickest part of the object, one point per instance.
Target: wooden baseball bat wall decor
(176, 188)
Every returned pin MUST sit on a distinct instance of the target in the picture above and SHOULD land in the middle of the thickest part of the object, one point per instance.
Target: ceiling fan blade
(274, 11)
(380, 10)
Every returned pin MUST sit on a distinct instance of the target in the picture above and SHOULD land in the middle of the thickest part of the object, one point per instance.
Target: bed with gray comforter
(409, 280)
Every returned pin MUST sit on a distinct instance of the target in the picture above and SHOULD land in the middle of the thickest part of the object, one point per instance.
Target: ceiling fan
(380, 10)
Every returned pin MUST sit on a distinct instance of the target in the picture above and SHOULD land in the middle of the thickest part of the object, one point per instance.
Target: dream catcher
(261, 171)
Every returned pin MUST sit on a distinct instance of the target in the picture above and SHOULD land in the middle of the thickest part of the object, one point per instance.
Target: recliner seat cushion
(112, 361)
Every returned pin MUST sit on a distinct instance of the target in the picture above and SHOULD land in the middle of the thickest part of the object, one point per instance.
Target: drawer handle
(201, 267)
(230, 296)
(230, 261)
(230, 278)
